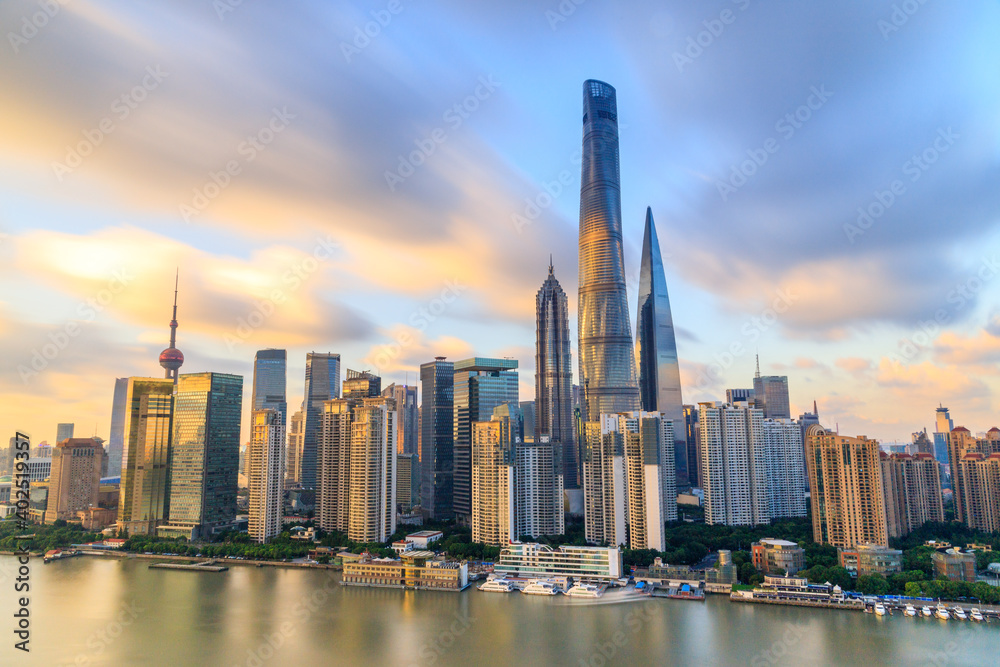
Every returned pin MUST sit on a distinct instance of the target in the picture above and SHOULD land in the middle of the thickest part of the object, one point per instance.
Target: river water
(92, 611)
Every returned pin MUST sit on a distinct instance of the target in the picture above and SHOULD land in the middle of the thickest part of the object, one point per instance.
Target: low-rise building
(718, 579)
(538, 561)
(424, 538)
(866, 559)
(955, 564)
(416, 570)
(402, 546)
(772, 556)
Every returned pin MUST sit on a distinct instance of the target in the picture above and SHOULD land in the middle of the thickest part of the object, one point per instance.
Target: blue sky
(904, 99)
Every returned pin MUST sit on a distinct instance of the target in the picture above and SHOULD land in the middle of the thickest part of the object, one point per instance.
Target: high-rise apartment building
(293, 458)
(912, 489)
(147, 430)
(649, 477)
(974, 483)
(553, 408)
(322, 384)
(116, 440)
(492, 484)
(372, 512)
(538, 490)
(607, 359)
(75, 478)
(405, 397)
(269, 380)
(265, 474)
(437, 418)
(333, 487)
(693, 445)
(656, 348)
(204, 454)
(784, 470)
(604, 492)
(845, 475)
(480, 386)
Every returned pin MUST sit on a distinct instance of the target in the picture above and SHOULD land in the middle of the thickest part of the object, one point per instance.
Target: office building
(943, 425)
(39, 468)
(204, 454)
(656, 348)
(116, 440)
(64, 432)
(866, 559)
(693, 445)
(528, 418)
(780, 557)
(912, 489)
(480, 386)
(845, 475)
(405, 397)
(437, 418)
(552, 413)
(269, 380)
(322, 384)
(607, 359)
(975, 489)
(734, 396)
(372, 487)
(265, 475)
(359, 385)
(407, 482)
(147, 430)
(293, 459)
(75, 479)
(771, 395)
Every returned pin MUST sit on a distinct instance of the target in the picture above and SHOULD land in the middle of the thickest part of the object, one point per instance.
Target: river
(95, 611)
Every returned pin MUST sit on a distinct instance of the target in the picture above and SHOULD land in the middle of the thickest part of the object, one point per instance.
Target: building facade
(781, 557)
(265, 474)
(437, 418)
(75, 479)
(604, 492)
(269, 382)
(147, 432)
(492, 484)
(333, 492)
(407, 482)
(973, 477)
(405, 397)
(116, 439)
(955, 564)
(372, 486)
(322, 384)
(293, 458)
(771, 395)
(912, 489)
(648, 439)
(539, 561)
(866, 559)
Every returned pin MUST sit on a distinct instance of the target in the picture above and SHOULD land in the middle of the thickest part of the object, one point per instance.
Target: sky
(388, 180)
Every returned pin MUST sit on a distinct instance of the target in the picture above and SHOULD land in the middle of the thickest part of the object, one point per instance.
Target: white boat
(960, 614)
(584, 591)
(880, 609)
(976, 615)
(942, 612)
(497, 586)
(910, 610)
(540, 588)
(926, 611)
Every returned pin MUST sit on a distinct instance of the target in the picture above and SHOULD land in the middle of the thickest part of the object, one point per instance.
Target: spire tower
(171, 359)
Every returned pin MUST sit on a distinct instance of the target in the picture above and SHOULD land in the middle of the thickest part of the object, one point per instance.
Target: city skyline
(291, 262)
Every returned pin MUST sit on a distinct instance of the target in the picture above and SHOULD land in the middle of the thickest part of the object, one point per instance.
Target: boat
(960, 614)
(910, 610)
(497, 586)
(926, 611)
(976, 615)
(57, 554)
(584, 591)
(540, 587)
(942, 612)
(880, 609)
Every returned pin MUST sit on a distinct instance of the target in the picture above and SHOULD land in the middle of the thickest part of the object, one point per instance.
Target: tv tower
(171, 358)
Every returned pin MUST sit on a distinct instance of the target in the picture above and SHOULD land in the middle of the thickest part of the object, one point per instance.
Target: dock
(207, 566)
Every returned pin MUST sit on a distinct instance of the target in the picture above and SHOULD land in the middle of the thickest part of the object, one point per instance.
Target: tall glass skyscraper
(656, 347)
(322, 384)
(607, 359)
(437, 415)
(147, 426)
(942, 427)
(553, 413)
(770, 393)
(269, 373)
(116, 441)
(481, 385)
(204, 453)
(408, 417)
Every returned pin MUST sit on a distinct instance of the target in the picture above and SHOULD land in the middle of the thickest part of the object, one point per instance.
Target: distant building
(64, 432)
(848, 504)
(39, 468)
(975, 478)
(204, 454)
(943, 425)
(116, 440)
(75, 480)
(528, 416)
(535, 561)
(266, 471)
(865, 559)
(771, 395)
(415, 570)
(407, 481)
(922, 444)
(322, 384)
(772, 556)
(693, 445)
(734, 396)
(955, 564)
(437, 385)
(912, 489)
(293, 458)
(269, 382)
(405, 397)
(145, 456)
(806, 420)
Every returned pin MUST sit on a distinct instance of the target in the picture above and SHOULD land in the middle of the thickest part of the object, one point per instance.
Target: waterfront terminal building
(416, 571)
(540, 561)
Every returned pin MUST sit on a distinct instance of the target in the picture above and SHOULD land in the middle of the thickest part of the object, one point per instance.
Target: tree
(873, 584)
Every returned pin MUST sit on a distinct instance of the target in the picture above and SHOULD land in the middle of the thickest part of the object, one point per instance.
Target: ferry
(540, 587)
(880, 609)
(57, 554)
(910, 610)
(584, 591)
(976, 615)
(960, 614)
(942, 612)
(926, 611)
(497, 586)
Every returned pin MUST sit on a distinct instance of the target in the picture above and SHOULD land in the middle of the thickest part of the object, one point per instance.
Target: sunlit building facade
(147, 431)
(265, 474)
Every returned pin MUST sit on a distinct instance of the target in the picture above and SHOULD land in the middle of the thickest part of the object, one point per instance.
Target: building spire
(815, 409)
(550, 264)
(758, 366)
(171, 359)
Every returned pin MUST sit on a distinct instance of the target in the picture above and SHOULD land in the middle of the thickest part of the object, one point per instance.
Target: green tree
(873, 584)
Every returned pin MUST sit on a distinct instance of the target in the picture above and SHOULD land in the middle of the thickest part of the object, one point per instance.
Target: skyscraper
(269, 374)
(553, 409)
(912, 489)
(64, 432)
(293, 455)
(965, 454)
(75, 478)
(943, 425)
(656, 347)
(538, 490)
(437, 386)
(407, 481)
(607, 359)
(771, 395)
(372, 511)
(409, 416)
(848, 504)
(322, 384)
(116, 440)
(204, 454)
(605, 495)
(171, 359)
(492, 502)
(730, 438)
(147, 428)
(359, 385)
(265, 473)
(333, 483)
(650, 477)
(480, 386)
